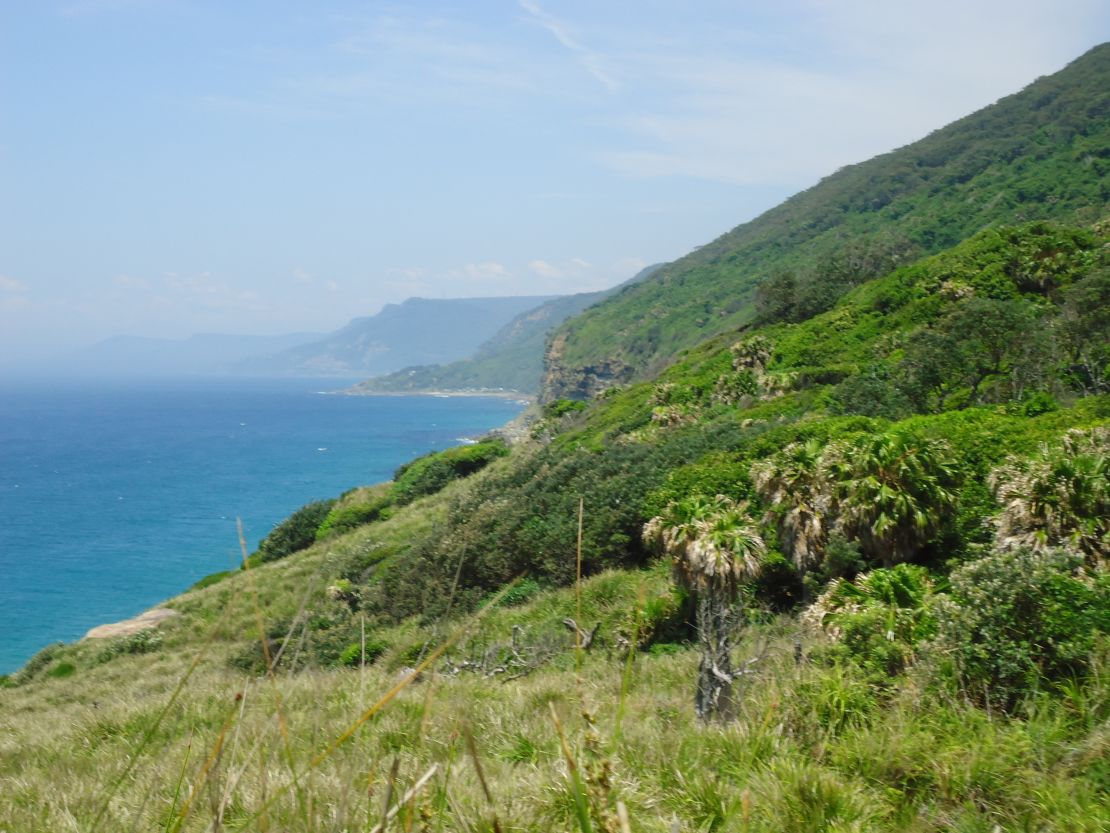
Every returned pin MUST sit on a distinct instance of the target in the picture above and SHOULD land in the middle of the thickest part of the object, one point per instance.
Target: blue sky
(172, 167)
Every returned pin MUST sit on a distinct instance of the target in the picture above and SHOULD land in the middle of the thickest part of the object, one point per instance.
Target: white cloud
(856, 78)
(592, 62)
(544, 269)
(486, 271)
(11, 285)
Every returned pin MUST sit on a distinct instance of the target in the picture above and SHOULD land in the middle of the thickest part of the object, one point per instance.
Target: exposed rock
(142, 622)
(562, 382)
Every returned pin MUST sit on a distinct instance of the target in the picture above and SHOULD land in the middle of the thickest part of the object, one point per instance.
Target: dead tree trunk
(717, 617)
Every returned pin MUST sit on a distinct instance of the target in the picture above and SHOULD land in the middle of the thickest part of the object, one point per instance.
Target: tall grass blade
(581, 802)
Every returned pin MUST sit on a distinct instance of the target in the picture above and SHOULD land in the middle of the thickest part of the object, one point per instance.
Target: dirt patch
(142, 622)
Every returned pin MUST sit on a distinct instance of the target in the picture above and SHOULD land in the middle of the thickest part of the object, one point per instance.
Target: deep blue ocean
(117, 495)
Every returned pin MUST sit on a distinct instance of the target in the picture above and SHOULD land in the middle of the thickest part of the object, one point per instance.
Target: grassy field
(174, 738)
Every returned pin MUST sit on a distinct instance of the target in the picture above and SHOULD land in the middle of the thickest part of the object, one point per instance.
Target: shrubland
(841, 567)
(918, 641)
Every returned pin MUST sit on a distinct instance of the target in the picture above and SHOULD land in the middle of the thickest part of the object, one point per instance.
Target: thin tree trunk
(716, 622)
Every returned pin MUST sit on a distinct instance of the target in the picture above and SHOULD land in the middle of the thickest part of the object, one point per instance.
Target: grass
(815, 748)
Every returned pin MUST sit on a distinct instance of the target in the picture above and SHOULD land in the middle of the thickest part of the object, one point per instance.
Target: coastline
(516, 396)
(242, 423)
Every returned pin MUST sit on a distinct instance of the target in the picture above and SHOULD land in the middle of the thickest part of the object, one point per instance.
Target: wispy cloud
(545, 269)
(489, 270)
(591, 61)
(860, 79)
(11, 285)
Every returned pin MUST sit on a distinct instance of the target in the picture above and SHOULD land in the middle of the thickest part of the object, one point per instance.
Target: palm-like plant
(1058, 498)
(796, 491)
(715, 547)
(893, 491)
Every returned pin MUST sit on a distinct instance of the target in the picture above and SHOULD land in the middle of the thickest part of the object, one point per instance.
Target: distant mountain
(1041, 154)
(204, 354)
(419, 331)
(511, 360)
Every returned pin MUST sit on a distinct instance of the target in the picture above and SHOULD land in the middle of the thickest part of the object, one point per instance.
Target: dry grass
(813, 749)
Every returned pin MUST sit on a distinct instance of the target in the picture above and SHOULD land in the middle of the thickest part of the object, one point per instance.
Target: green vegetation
(295, 533)
(356, 508)
(429, 474)
(1015, 621)
(872, 528)
(323, 519)
(715, 549)
(1039, 154)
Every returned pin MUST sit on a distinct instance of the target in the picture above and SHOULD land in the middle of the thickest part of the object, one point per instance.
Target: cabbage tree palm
(893, 491)
(1058, 498)
(794, 487)
(715, 547)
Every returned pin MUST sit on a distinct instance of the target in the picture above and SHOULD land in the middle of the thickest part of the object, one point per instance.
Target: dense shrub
(1013, 620)
(295, 533)
(356, 508)
(561, 407)
(428, 474)
(879, 619)
(353, 654)
(37, 664)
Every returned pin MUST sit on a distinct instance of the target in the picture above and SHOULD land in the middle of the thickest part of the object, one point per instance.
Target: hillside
(416, 331)
(842, 567)
(961, 686)
(1043, 153)
(511, 360)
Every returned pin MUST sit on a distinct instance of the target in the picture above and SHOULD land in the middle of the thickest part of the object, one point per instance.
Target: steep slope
(879, 714)
(511, 360)
(951, 414)
(1042, 153)
(416, 331)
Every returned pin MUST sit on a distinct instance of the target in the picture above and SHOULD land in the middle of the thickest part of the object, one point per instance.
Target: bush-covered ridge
(1042, 153)
(896, 494)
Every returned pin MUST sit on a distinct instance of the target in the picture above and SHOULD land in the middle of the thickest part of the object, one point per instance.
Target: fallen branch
(583, 639)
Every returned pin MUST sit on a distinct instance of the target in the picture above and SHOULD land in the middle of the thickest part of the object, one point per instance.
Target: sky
(170, 167)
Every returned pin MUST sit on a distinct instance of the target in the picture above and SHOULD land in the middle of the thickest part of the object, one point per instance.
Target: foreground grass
(814, 747)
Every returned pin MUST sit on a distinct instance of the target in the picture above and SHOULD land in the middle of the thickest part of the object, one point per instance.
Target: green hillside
(1043, 153)
(935, 661)
(842, 566)
(511, 360)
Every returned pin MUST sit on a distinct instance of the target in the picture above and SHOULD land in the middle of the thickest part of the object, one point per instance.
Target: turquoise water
(115, 496)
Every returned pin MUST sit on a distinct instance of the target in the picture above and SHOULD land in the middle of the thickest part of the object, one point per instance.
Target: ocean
(117, 495)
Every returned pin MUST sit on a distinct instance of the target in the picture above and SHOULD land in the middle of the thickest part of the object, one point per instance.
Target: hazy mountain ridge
(511, 360)
(416, 331)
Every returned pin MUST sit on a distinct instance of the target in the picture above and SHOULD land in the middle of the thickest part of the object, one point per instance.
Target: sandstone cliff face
(562, 382)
